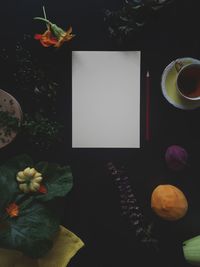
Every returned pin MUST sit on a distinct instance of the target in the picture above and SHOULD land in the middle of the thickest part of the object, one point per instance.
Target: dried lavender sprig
(129, 206)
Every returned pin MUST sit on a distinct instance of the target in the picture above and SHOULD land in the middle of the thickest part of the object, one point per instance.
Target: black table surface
(91, 209)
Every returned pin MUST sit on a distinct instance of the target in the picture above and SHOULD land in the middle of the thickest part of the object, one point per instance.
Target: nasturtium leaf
(32, 232)
(8, 188)
(8, 184)
(57, 180)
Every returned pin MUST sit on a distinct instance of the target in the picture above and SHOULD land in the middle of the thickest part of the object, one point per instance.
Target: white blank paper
(105, 99)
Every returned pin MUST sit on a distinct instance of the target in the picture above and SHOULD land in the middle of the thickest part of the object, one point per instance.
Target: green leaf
(32, 232)
(57, 180)
(8, 184)
(8, 187)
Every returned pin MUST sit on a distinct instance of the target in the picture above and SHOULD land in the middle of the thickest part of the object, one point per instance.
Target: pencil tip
(148, 74)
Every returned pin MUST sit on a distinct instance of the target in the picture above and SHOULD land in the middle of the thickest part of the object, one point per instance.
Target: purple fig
(176, 158)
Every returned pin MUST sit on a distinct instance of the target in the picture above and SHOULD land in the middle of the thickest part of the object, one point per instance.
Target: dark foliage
(131, 18)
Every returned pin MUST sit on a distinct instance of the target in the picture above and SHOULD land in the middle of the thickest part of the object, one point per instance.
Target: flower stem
(44, 19)
(57, 31)
(45, 16)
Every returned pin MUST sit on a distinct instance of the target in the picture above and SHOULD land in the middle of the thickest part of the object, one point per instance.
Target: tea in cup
(188, 80)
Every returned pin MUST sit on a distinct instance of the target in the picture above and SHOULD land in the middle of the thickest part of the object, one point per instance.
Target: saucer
(168, 84)
(9, 104)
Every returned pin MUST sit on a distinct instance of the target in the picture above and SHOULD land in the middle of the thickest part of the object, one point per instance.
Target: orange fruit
(169, 202)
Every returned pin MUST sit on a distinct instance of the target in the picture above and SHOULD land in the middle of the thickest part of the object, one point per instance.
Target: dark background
(91, 209)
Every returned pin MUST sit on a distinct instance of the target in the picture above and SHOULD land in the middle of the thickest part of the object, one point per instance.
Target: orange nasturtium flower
(13, 210)
(65, 37)
(42, 189)
(54, 35)
(46, 39)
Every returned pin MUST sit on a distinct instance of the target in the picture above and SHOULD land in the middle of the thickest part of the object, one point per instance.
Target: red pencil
(147, 135)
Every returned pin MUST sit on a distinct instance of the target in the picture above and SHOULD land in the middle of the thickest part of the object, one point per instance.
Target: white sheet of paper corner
(106, 99)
